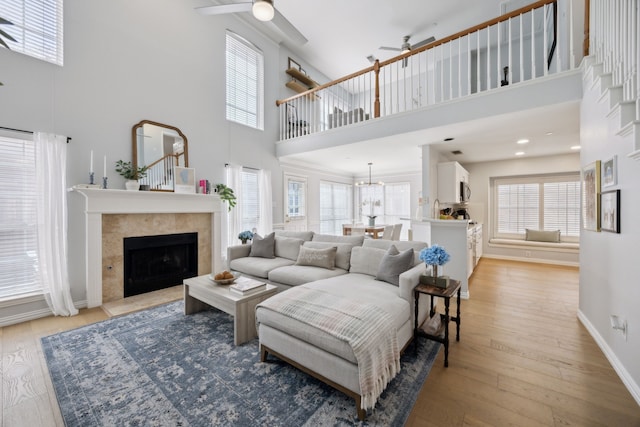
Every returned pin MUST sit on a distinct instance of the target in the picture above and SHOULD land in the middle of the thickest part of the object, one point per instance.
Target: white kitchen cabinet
(478, 238)
(471, 251)
(450, 175)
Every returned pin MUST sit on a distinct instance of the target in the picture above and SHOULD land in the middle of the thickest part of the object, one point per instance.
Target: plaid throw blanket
(367, 329)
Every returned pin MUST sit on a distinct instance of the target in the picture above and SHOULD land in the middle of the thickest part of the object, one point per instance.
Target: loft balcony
(525, 59)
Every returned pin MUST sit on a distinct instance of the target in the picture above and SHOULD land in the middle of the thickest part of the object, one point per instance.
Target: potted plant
(245, 235)
(434, 256)
(131, 174)
(226, 194)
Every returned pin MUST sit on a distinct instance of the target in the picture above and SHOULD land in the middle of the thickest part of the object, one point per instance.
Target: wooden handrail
(161, 159)
(377, 65)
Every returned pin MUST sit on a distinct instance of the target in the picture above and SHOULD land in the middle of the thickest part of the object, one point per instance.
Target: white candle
(91, 163)
(105, 166)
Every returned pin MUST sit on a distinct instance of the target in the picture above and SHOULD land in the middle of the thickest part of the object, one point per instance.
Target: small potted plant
(245, 235)
(227, 195)
(131, 174)
(434, 256)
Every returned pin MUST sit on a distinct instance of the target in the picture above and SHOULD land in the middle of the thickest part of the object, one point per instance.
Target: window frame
(244, 203)
(17, 187)
(540, 181)
(38, 35)
(337, 228)
(234, 45)
(301, 196)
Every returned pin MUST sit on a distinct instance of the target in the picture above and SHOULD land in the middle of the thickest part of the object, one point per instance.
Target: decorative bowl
(225, 281)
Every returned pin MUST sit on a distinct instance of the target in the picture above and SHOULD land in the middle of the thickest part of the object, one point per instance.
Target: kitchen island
(457, 237)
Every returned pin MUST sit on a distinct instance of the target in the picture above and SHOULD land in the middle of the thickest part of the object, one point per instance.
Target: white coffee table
(201, 292)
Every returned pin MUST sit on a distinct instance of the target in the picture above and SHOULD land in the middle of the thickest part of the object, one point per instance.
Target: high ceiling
(343, 33)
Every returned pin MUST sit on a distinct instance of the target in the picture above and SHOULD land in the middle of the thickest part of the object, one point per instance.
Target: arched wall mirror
(161, 148)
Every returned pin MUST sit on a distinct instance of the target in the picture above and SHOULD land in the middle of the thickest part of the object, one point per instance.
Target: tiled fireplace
(112, 215)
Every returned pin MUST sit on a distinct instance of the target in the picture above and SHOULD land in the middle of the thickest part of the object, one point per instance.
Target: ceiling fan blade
(390, 48)
(224, 8)
(423, 42)
(287, 28)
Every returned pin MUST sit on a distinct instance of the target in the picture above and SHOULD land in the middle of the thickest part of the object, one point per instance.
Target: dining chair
(387, 233)
(346, 229)
(396, 231)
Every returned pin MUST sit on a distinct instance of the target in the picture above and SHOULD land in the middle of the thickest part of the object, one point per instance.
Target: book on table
(246, 286)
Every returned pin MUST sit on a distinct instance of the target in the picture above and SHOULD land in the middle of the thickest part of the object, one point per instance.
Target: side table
(446, 294)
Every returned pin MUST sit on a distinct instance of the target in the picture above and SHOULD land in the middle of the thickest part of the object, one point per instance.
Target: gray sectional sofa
(361, 274)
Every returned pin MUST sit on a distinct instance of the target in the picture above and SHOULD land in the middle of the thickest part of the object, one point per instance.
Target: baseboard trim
(35, 314)
(622, 372)
(532, 260)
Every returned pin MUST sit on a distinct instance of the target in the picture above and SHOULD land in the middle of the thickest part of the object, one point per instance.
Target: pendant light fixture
(263, 10)
(369, 183)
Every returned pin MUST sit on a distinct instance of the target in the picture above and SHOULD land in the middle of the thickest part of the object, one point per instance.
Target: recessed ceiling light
(448, 139)
(520, 153)
(575, 147)
(523, 141)
(549, 133)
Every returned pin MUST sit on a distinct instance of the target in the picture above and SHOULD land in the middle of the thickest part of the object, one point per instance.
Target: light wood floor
(524, 359)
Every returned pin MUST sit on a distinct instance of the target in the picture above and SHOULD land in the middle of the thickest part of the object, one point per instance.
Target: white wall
(480, 175)
(127, 61)
(609, 268)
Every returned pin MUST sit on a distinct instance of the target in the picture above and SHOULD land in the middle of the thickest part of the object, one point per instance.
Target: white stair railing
(523, 45)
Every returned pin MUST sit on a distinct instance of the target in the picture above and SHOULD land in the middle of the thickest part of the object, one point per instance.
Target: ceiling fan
(407, 47)
(262, 10)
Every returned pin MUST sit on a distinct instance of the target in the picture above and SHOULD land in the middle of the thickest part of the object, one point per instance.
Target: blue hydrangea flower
(434, 255)
(245, 235)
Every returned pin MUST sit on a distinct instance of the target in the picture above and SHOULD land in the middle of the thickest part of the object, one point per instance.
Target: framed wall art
(185, 180)
(610, 208)
(590, 196)
(610, 172)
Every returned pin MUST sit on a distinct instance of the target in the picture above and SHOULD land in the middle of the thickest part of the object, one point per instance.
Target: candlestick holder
(104, 182)
(91, 178)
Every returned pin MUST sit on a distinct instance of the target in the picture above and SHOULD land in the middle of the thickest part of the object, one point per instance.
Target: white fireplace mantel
(99, 202)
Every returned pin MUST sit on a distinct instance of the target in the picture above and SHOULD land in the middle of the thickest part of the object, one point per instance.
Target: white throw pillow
(366, 260)
(324, 258)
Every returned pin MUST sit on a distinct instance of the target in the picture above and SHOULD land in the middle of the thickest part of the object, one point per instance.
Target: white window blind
(335, 206)
(537, 203)
(250, 202)
(245, 82)
(37, 28)
(18, 220)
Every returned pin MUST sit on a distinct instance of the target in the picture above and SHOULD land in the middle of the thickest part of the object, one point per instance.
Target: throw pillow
(324, 258)
(542, 236)
(263, 247)
(366, 260)
(393, 264)
(287, 247)
(343, 254)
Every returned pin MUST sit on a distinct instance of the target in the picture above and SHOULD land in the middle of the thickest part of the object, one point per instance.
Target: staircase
(611, 69)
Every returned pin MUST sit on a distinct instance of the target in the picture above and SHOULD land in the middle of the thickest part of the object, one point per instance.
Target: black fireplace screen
(158, 262)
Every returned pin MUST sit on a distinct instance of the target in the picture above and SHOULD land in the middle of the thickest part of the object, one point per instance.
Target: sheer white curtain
(51, 163)
(233, 218)
(265, 224)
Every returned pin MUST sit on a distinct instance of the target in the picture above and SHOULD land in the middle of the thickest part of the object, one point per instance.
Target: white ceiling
(342, 33)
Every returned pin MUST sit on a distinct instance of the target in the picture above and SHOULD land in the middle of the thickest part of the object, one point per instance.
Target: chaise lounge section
(371, 282)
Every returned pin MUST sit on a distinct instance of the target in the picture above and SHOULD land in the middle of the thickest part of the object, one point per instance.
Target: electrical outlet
(527, 254)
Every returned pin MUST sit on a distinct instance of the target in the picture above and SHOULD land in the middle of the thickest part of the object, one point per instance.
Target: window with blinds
(388, 202)
(37, 28)
(537, 203)
(335, 206)
(18, 220)
(245, 82)
(296, 197)
(250, 199)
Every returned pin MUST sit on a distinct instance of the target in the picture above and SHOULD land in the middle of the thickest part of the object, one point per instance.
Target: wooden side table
(446, 294)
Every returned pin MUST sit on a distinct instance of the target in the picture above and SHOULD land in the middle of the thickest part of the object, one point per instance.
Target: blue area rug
(159, 367)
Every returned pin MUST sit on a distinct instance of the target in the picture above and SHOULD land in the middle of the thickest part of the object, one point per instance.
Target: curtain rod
(26, 131)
